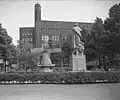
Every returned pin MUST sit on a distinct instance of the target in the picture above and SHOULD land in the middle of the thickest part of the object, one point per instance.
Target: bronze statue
(78, 44)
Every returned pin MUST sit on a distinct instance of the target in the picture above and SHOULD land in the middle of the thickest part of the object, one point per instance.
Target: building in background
(42, 29)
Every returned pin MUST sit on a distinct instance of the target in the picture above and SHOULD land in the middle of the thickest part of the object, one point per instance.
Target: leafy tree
(112, 24)
(23, 54)
(5, 44)
(66, 50)
(94, 45)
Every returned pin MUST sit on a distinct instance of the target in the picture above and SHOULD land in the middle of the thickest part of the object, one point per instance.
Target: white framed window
(65, 37)
(45, 38)
(53, 38)
(57, 38)
(42, 37)
(31, 39)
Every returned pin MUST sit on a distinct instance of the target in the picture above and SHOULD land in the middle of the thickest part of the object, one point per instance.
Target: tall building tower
(37, 12)
(37, 25)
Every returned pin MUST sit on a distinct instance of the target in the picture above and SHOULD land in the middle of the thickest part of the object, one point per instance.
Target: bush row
(60, 78)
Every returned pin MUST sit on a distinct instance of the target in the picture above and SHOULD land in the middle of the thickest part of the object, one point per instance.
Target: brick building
(44, 28)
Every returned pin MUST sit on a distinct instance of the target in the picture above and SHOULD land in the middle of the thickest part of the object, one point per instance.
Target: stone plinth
(46, 68)
(78, 62)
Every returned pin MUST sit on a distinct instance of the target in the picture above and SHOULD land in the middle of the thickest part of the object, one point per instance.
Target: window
(53, 38)
(27, 33)
(57, 38)
(45, 38)
(23, 39)
(30, 39)
(42, 38)
(65, 37)
(26, 39)
(23, 34)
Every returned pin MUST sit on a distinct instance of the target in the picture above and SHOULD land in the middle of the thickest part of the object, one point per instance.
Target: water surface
(60, 92)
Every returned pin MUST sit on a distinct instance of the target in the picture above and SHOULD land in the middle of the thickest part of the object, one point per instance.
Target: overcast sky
(20, 13)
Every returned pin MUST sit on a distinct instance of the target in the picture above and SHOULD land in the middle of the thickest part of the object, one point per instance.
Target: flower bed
(59, 78)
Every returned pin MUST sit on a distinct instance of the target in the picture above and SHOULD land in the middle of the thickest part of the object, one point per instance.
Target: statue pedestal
(46, 68)
(78, 62)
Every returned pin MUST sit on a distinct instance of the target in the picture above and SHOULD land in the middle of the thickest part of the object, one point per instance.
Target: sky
(20, 13)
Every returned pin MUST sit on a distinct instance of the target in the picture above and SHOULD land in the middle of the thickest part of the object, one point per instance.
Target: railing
(107, 61)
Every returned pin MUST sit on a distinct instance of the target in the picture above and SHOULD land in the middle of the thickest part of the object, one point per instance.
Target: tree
(5, 43)
(23, 54)
(66, 50)
(94, 45)
(112, 24)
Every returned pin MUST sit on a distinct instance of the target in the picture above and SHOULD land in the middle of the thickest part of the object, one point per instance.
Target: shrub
(60, 78)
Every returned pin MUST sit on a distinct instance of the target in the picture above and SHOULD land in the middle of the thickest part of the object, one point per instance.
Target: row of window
(54, 38)
(45, 38)
(26, 33)
(27, 39)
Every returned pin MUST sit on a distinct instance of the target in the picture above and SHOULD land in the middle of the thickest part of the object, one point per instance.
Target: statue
(42, 54)
(45, 58)
(78, 44)
(77, 57)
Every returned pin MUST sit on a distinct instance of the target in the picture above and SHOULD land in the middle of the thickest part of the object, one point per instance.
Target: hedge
(60, 78)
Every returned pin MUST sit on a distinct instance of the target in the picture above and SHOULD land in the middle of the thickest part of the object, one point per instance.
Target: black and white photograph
(59, 50)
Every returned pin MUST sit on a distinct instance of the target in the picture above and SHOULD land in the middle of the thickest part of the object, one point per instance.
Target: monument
(44, 63)
(78, 60)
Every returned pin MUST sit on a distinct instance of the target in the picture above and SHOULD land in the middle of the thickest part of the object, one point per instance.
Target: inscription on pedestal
(78, 62)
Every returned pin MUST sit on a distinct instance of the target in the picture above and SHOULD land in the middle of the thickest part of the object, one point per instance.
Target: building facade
(43, 29)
